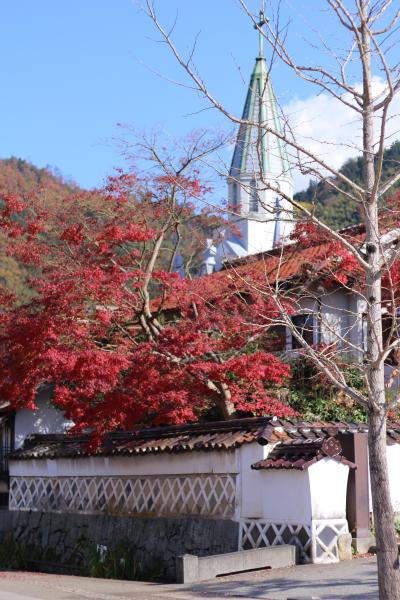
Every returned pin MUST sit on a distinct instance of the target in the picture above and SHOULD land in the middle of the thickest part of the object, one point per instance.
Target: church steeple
(261, 217)
(256, 149)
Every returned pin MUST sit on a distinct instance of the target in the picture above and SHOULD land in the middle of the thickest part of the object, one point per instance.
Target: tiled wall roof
(221, 435)
(301, 454)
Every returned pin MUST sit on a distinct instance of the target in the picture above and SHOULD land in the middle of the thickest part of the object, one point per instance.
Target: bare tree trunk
(387, 553)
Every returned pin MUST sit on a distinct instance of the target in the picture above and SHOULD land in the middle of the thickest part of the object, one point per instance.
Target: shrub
(116, 562)
(314, 397)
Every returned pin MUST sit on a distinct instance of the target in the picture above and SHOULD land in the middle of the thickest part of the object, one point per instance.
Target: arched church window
(254, 197)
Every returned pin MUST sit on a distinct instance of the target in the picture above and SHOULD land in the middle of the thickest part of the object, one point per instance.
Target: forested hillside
(24, 180)
(21, 178)
(335, 208)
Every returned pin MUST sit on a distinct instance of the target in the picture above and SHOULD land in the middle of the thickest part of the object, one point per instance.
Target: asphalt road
(354, 580)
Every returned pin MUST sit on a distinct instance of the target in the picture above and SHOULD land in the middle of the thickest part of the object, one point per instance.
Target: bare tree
(368, 36)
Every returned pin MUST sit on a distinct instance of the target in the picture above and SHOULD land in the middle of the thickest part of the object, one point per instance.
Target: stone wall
(67, 540)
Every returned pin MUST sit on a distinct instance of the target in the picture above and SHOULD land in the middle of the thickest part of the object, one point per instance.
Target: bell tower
(261, 217)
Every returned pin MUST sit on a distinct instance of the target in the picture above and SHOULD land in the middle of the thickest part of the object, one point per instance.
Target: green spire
(257, 150)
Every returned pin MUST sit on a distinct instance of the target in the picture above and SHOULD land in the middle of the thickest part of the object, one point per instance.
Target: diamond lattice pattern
(325, 535)
(258, 533)
(209, 495)
(317, 543)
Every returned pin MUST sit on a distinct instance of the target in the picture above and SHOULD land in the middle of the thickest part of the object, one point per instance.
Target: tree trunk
(223, 399)
(387, 553)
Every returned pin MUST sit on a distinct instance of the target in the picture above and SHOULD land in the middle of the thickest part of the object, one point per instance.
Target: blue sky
(73, 69)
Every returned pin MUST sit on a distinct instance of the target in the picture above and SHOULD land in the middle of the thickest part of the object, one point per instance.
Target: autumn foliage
(117, 334)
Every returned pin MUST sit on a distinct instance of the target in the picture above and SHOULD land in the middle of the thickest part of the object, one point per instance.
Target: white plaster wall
(341, 314)
(252, 489)
(328, 487)
(158, 464)
(44, 419)
(357, 308)
(393, 457)
(335, 316)
(342, 311)
(286, 496)
(293, 496)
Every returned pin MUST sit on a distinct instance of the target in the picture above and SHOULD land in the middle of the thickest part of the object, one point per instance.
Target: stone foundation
(67, 540)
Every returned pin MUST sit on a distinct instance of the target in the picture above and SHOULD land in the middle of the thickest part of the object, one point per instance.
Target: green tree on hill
(336, 209)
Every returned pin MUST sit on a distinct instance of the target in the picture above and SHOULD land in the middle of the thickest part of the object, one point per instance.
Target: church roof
(232, 246)
(287, 261)
(284, 264)
(253, 143)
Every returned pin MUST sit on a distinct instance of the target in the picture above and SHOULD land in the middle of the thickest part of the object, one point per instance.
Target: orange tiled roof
(285, 263)
(277, 264)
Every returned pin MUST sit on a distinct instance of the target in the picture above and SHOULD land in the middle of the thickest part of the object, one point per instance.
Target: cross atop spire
(263, 21)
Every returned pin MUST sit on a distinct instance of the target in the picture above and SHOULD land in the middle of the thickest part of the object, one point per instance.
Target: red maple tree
(120, 337)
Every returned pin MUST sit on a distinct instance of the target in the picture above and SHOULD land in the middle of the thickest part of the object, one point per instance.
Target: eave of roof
(302, 454)
(276, 265)
(213, 436)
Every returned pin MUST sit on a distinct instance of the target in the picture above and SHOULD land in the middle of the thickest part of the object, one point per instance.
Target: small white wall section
(357, 306)
(306, 508)
(393, 460)
(328, 487)
(44, 419)
(290, 495)
(252, 490)
(286, 496)
(334, 316)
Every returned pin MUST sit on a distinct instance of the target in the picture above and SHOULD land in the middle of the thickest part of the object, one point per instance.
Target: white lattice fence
(208, 495)
(325, 534)
(255, 533)
(317, 542)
